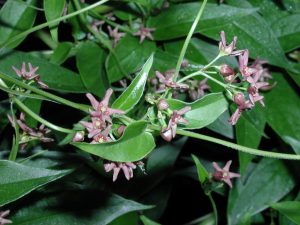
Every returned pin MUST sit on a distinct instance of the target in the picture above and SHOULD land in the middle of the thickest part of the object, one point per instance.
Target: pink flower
(2, 219)
(126, 167)
(224, 174)
(246, 71)
(239, 99)
(102, 136)
(177, 117)
(167, 81)
(115, 35)
(144, 33)
(228, 49)
(102, 111)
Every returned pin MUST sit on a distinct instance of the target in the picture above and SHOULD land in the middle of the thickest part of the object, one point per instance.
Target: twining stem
(214, 207)
(40, 119)
(187, 40)
(52, 22)
(45, 94)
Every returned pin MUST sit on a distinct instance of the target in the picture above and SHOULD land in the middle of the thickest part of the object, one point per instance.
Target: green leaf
(15, 18)
(56, 77)
(131, 55)
(61, 53)
(283, 112)
(147, 221)
(202, 173)
(273, 180)
(53, 10)
(221, 125)
(18, 180)
(76, 208)
(133, 93)
(35, 106)
(178, 19)
(204, 111)
(290, 209)
(134, 145)
(90, 61)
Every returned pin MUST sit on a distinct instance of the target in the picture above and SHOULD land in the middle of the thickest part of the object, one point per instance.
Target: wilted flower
(144, 32)
(228, 50)
(239, 99)
(102, 111)
(224, 174)
(30, 75)
(115, 35)
(2, 219)
(167, 80)
(127, 168)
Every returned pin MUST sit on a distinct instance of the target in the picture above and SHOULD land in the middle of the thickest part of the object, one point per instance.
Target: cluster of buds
(99, 127)
(29, 134)
(126, 167)
(223, 174)
(198, 88)
(2, 219)
(144, 33)
(30, 75)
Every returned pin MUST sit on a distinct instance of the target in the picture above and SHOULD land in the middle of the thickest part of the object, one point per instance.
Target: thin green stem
(32, 156)
(45, 94)
(40, 119)
(24, 94)
(52, 22)
(212, 62)
(214, 208)
(15, 147)
(187, 40)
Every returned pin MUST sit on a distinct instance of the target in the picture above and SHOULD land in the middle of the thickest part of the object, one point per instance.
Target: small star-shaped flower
(167, 81)
(239, 99)
(115, 35)
(228, 49)
(224, 174)
(144, 32)
(127, 168)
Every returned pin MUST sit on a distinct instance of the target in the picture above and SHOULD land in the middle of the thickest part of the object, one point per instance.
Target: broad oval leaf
(53, 10)
(56, 77)
(133, 93)
(134, 145)
(178, 19)
(18, 180)
(290, 209)
(90, 60)
(204, 111)
(131, 55)
(15, 18)
(245, 199)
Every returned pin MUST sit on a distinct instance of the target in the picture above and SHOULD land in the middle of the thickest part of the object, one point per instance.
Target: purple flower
(102, 111)
(144, 32)
(246, 71)
(224, 174)
(102, 136)
(94, 127)
(228, 49)
(2, 219)
(177, 117)
(167, 81)
(30, 75)
(115, 35)
(126, 167)
(239, 99)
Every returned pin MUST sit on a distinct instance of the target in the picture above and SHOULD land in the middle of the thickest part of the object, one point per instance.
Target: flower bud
(252, 90)
(162, 105)
(184, 63)
(226, 70)
(166, 134)
(79, 136)
(121, 130)
(239, 99)
(229, 78)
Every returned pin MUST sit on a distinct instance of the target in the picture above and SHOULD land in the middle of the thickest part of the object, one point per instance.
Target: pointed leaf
(290, 209)
(202, 173)
(147, 221)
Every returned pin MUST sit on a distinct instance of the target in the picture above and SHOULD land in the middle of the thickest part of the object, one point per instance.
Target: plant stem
(45, 94)
(187, 40)
(52, 22)
(212, 62)
(214, 207)
(40, 119)
(16, 139)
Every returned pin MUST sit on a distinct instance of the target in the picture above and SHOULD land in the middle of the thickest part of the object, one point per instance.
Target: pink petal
(116, 173)
(228, 181)
(93, 100)
(216, 166)
(106, 98)
(227, 166)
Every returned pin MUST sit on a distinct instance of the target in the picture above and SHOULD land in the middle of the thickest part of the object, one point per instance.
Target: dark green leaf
(290, 209)
(18, 180)
(53, 10)
(35, 106)
(90, 61)
(134, 145)
(204, 111)
(273, 180)
(56, 77)
(131, 56)
(222, 126)
(178, 19)
(283, 112)
(133, 93)
(202, 173)
(76, 208)
(61, 53)
(147, 221)
(15, 18)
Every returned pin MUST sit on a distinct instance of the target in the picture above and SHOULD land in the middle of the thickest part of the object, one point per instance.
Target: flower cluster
(224, 174)
(2, 219)
(30, 75)
(29, 134)
(198, 88)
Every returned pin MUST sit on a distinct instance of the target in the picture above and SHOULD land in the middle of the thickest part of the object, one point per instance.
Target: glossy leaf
(90, 61)
(76, 208)
(204, 111)
(131, 55)
(61, 53)
(245, 200)
(15, 18)
(178, 19)
(56, 77)
(283, 112)
(133, 93)
(290, 209)
(53, 10)
(147, 221)
(202, 173)
(134, 145)
(18, 180)
(221, 126)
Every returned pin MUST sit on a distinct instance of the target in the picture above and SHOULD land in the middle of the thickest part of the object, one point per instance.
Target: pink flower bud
(79, 136)
(166, 134)
(121, 130)
(162, 105)
(239, 99)
(229, 78)
(226, 70)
